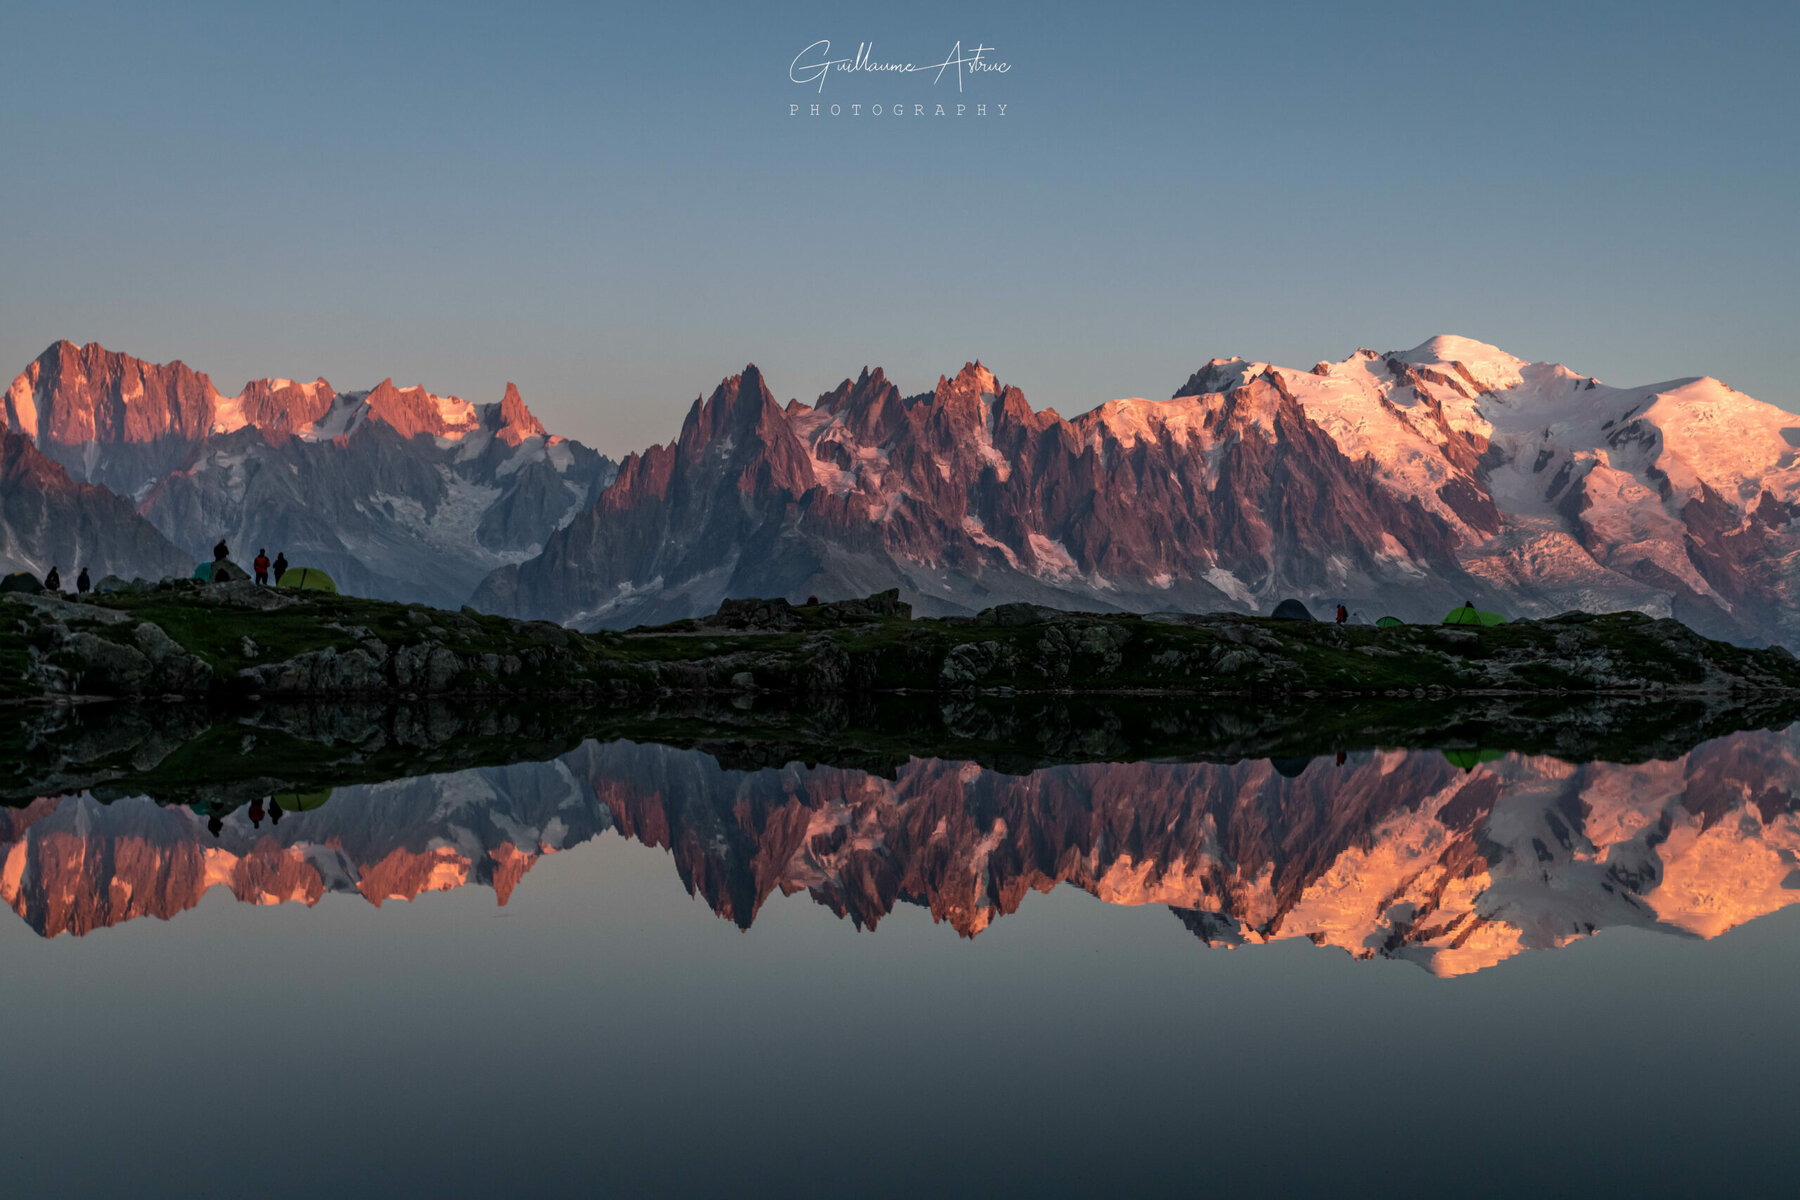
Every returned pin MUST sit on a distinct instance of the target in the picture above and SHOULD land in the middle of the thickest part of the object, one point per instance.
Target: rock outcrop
(257, 640)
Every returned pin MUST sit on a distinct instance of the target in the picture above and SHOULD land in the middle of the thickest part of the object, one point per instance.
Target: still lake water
(633, 971)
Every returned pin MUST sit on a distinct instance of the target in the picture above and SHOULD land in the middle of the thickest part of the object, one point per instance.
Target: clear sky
(610, 205)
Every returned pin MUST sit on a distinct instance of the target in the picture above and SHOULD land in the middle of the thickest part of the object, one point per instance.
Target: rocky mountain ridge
(1401, 482)
(395, 492)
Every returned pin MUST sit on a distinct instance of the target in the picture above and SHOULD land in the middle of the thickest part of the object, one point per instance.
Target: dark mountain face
(397, 493)
(1399, 484)
(962, 498)
(47, 519)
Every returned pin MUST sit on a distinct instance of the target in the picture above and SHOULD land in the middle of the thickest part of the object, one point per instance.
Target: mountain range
(1397, 483)
(1395, 854)
(396, 492)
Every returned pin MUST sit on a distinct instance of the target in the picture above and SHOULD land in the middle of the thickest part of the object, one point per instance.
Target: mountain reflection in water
(1454, 865)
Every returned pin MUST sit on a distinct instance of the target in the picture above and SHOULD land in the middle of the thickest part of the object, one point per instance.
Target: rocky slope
(396, 492)
(1400, 482)
(1380, 853)
(49, 520)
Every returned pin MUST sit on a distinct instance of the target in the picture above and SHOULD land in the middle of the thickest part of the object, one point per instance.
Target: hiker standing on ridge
(221, 552)
(280, 567)
(53, 581)
(81, 582)
(262, 567)
(1343, 614)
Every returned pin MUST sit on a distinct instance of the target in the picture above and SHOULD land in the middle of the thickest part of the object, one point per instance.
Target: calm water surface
(632, 971)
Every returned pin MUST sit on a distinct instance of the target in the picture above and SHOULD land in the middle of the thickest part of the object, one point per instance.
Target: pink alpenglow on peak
(397, 492)
(1400, 482)
(516, 421)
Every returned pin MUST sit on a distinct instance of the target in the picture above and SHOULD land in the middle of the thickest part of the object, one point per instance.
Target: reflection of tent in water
(1390, 622)
(300, 801)
(21, 581)
(224, 571)
(1467, 615)
(1290, 767)
(1291, 610)
(1468, 760)
(307, 579)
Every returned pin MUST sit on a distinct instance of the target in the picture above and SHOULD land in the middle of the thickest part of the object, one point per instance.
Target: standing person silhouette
(81, 581)
(1343, 614)
(262, 566)
(281, 566)
(221, 552)
(53, 581)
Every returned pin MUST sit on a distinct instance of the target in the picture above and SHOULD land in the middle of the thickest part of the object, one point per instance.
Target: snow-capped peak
(1492, 368)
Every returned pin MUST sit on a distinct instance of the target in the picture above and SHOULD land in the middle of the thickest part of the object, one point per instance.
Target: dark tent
(1472, 616)
(1291, 610)
(1390, 622)
(223, 571)
(21, 581)
(308, 579)
(301, 801)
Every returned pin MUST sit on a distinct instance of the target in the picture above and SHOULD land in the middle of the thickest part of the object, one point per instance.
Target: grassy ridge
(241, 640)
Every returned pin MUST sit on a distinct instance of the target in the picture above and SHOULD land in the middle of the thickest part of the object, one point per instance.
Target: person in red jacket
(262, 566)
(1343, 613)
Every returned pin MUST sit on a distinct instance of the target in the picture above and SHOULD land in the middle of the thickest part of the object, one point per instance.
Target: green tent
(1472, 616)
(1468, 760)
(1389, 622)
(307, 579)
(21, 581)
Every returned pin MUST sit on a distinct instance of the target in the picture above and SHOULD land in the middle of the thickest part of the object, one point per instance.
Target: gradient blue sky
(611, 207)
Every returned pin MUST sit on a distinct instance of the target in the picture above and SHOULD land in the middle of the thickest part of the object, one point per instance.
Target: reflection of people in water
(256, 814)
(274, 813)
(214, 823)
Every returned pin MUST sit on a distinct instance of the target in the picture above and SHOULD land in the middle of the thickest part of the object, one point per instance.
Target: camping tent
(300, 801)
(307, 579)
(1390, 622)
(223, 571)
(1291, 610)
(1468, 760)
(1472, 616)
(21, 581)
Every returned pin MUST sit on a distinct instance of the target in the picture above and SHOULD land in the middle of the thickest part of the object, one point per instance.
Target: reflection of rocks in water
(224, 757)
(1386, 853)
